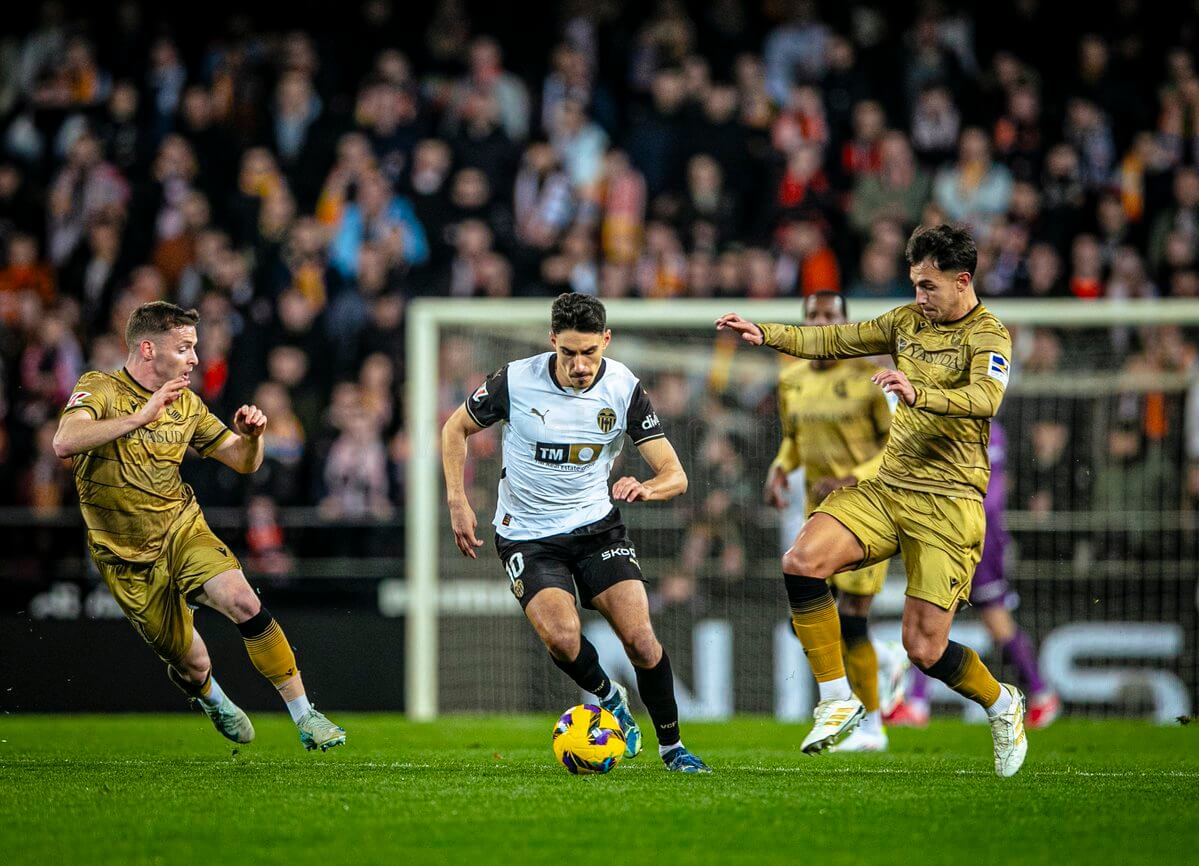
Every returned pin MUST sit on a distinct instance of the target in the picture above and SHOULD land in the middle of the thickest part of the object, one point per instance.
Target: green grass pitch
(167, 789)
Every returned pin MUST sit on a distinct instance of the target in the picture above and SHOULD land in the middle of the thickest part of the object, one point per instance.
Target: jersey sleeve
(489, 403)
(92, 394)
(787, 457)
(990, 366)
(641, 421)
(210, 431)
(856, 340)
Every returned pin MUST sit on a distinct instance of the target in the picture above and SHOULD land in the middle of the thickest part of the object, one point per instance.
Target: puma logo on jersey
(540, 415)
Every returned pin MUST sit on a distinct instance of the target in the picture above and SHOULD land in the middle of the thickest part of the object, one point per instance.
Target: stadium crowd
(300, 183)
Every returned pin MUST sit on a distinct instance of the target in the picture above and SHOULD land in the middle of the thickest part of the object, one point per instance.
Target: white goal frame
(427, 316)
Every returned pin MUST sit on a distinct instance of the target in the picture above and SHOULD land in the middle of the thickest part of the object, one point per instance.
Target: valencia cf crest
(606, 420)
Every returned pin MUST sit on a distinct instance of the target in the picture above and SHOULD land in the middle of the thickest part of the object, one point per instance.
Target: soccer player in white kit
(564, 416)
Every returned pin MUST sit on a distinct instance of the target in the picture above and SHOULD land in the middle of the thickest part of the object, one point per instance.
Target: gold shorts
(154, 595)
(940, 537)
(862, 581)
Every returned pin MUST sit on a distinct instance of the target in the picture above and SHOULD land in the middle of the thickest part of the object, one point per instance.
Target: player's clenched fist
(749, 332)
(249, 421)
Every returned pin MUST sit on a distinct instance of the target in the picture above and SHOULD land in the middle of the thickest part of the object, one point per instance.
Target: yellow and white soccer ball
(588, 739)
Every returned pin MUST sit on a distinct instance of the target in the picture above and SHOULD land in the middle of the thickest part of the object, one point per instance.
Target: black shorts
(591, 558)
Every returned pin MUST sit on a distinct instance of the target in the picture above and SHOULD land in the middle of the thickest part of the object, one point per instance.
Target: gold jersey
(959, 371)
(835, 422)
(130, 490)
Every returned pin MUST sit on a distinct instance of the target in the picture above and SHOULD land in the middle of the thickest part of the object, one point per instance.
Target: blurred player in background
(127, 432)
(565, 415)
(835, 423)
(953, 358)
(994, 599)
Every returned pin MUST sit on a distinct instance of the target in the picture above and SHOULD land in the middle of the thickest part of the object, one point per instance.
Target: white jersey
(559, 443)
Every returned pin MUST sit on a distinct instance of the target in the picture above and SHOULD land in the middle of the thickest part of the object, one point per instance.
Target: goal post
(489, 319)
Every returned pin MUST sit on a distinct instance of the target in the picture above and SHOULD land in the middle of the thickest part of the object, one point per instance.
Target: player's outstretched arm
(453, 463)
(243, 451)
(78, 432)
(669, 478)
(856, 340)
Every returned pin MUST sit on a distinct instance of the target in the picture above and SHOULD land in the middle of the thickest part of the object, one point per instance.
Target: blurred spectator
(580, 144)
(378, 215)
(298, 134)
(49, 482)
(935, 125)
(85, 188)
(355, 471)
(656, 139)
(898, 190)
(862, 155)
(975, 189)
(24, 271)
(1089, 132)
(796, 49)
(487, 77)
(879, 276)
(1019, 137)
(1181, 217)
(1086, 275)
(543, 198)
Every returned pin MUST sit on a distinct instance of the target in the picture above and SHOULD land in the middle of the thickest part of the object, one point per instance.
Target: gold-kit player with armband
(835, 423)
(953, 359)
(127, 431)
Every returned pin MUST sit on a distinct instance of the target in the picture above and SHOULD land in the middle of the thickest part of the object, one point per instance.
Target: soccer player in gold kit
(835, 423)
(127, 432)
(953, 358)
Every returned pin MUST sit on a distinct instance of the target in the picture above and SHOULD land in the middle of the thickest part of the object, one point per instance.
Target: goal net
(1102, 423)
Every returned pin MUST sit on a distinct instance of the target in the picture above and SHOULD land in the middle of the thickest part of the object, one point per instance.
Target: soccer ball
(588, 739)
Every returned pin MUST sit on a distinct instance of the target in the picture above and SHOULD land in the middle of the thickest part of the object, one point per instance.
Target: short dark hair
(157, 317)
(826, 293)
(949, 248)
(575, 312)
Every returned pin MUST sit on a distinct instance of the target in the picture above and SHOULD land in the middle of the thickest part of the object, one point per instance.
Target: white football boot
(1007, 730)
(834, 719)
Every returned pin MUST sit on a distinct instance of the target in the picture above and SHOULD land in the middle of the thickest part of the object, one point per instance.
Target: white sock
(662, 750)
(611, 693)
(872, 723)
(835, 690)
(213, 699)
(298, 707)
(1002, 704)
